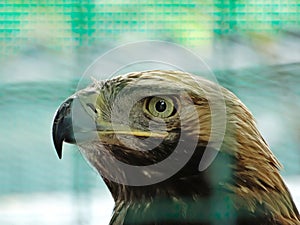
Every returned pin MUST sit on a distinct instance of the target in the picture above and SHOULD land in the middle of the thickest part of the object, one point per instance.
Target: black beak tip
(58, 147)
(57, 140)
(62, 126)
(59, 155)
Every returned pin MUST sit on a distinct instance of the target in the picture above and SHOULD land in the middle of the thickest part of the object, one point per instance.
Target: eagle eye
(161, 107)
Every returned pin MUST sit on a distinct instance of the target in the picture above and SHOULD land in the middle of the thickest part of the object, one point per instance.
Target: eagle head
(174, 148)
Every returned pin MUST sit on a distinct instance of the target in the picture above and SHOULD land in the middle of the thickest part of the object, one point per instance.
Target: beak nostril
(92, 107)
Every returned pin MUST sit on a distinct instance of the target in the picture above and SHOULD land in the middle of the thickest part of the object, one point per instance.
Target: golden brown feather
(242, 185)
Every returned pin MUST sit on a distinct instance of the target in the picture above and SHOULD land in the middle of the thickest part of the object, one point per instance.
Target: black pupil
(160, 106)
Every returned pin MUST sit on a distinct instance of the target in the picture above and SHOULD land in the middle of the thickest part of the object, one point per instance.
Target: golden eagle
(148, 133)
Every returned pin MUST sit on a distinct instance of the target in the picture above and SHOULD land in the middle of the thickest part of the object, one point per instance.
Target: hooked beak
(62, 129)
(72, 123)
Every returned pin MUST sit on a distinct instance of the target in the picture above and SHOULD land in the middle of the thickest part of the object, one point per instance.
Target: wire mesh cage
(251, 46)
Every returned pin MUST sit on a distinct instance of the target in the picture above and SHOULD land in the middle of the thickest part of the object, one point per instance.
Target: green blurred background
(252, 46)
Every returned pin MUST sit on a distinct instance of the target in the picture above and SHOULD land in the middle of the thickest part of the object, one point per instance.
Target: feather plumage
(242, 185)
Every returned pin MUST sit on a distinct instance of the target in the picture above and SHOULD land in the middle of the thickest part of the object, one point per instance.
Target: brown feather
(244, 178)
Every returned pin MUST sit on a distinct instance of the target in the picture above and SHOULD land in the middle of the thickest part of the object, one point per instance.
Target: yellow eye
(161, 107)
